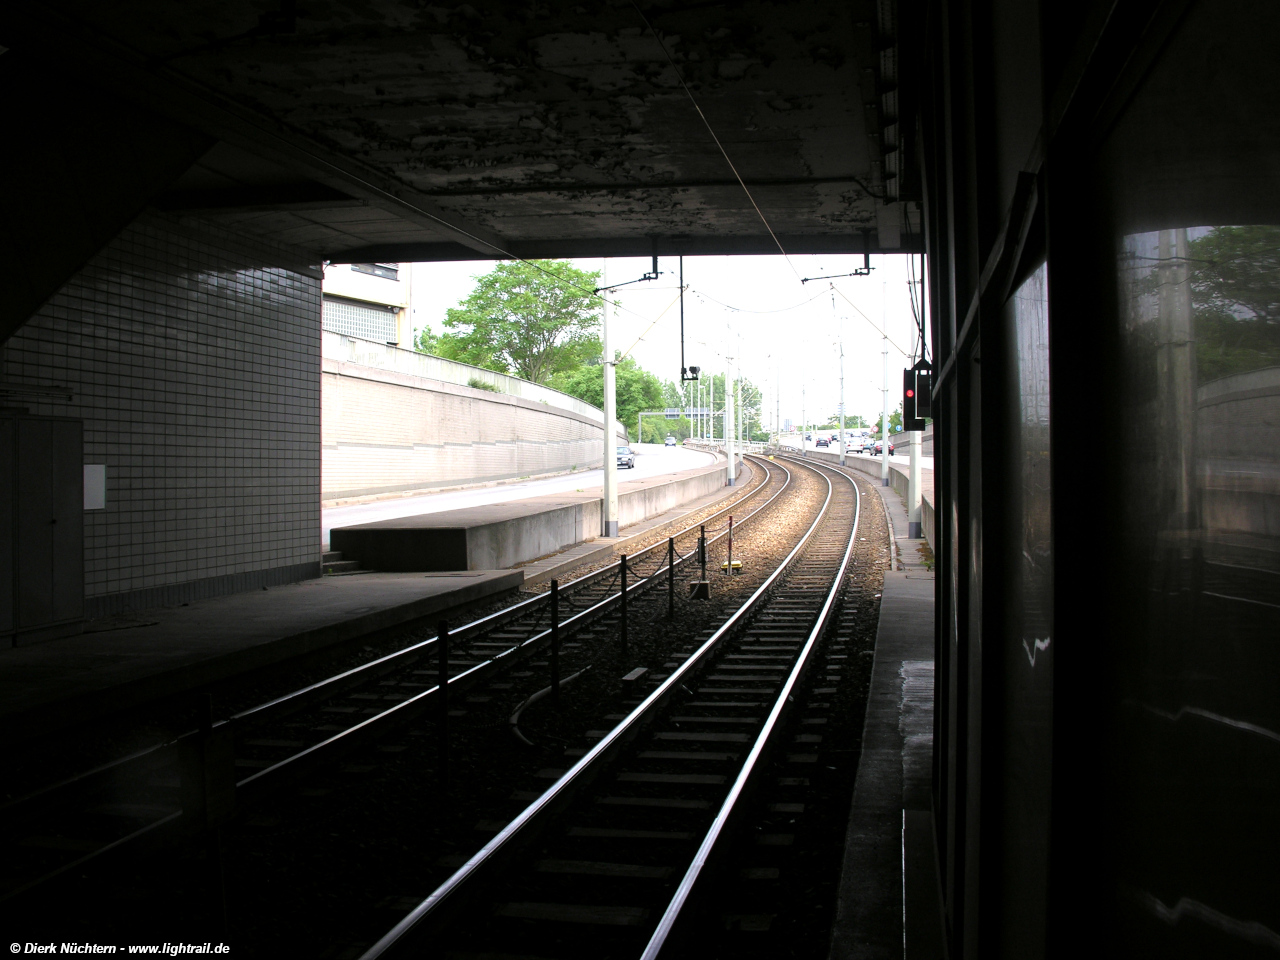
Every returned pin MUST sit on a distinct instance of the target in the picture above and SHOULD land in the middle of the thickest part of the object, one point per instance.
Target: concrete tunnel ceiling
(386, 130)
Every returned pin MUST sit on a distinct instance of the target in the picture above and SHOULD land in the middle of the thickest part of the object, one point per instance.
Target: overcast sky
(786, 333)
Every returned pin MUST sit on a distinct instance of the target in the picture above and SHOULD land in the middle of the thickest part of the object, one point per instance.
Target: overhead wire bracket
(862, 271)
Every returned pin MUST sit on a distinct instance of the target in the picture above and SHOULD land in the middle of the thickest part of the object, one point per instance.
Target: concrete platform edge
(59, 714)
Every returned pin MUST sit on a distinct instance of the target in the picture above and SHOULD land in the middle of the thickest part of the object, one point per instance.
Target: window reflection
(1200, 442)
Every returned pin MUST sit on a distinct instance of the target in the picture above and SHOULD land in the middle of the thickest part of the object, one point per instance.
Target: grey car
(626, 458)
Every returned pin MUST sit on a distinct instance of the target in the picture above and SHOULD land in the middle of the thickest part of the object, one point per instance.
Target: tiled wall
(193, 357)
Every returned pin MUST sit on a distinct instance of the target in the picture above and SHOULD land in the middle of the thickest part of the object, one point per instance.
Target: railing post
(702, 549)
(729, 566)
(624, 603)
(671, 578)
(555, 640)
(442, 638)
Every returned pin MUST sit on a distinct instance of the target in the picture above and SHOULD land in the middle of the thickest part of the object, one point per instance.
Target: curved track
(606, 861)
(138, 798)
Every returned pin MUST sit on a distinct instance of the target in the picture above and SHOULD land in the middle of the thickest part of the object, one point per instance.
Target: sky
(754, 310)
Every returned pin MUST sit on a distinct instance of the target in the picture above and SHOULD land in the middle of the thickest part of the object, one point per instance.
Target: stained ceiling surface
(390, 130)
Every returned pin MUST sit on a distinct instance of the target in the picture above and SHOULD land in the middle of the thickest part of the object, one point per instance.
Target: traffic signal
(909, 418)
(917, 387)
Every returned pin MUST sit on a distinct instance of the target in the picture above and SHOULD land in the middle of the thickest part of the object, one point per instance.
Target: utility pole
(884, 416)
(610, 504)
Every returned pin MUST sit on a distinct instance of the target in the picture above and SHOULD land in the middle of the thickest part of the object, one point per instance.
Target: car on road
(879, 448)
(822, 442)
(670, 442)
(868, 445)
(626, 458)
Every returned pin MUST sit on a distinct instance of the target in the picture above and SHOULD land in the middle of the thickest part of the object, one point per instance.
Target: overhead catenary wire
(727, 306)
(877, 326)
(724, 153)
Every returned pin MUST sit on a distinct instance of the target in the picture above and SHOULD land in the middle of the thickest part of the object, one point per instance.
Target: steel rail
(534, 816)
(389, 661)
(300, 698)
(469, 630)
(479, 671)
(684, 891)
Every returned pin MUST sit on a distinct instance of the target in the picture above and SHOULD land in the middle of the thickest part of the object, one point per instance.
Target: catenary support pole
(884, 418)
(610, 504)
(728, 419)
(842, 461)
(804, 425)
(915, 438)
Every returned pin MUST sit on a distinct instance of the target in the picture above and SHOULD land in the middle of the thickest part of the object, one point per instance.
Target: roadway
(651, 459)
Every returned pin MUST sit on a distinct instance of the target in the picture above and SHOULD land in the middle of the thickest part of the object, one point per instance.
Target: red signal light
(911, 393)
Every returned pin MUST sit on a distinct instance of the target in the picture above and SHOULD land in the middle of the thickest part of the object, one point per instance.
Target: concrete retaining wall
(386, 431)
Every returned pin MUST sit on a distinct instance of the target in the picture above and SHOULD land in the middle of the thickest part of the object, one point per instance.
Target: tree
(636, 389)
(520, 320)
(895, 421)
(1237, 299)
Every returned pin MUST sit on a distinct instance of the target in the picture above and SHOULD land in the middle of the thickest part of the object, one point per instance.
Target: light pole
(610, 500)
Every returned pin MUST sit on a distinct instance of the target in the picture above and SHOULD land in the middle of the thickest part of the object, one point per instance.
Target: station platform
(155, 653)
(887, 903)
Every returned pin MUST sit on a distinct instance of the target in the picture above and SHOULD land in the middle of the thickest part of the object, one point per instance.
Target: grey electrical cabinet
(41, 528)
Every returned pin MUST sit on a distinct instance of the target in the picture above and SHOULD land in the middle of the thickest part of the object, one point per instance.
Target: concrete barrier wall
(384, 356)
(387, 432)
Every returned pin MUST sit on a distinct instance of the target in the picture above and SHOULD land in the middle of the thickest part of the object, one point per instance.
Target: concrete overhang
(394, 131)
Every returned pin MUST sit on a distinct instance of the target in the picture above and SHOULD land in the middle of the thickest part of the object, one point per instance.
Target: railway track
(138, 800)
(609, 859)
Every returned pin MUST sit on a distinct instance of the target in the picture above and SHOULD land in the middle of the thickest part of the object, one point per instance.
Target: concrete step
(341, 566)
(329, 556)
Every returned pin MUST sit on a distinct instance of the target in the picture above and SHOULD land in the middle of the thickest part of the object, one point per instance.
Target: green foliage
(520, 320)
(1235, 290)
(895, 421)
(478, 384)
(635, 389)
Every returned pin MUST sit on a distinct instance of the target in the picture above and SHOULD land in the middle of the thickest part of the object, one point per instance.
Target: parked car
(822, 442)
(626, 458)
(670, 441)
